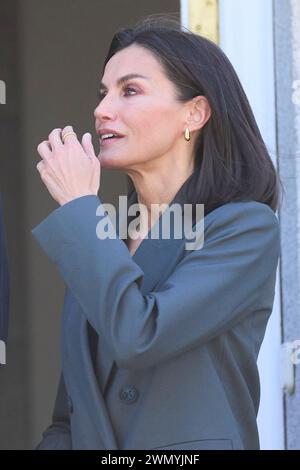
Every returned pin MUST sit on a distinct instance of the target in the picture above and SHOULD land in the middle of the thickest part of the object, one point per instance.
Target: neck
(157, 190)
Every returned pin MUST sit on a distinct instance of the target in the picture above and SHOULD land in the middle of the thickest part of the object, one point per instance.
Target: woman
(159, 343)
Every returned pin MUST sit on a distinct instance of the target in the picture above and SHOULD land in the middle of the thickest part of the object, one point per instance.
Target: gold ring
(64, 136)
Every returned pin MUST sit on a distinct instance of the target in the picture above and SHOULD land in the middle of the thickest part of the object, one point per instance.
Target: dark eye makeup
(101, 94)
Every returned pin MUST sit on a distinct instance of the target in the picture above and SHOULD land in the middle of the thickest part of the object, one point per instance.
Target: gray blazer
(179, 331)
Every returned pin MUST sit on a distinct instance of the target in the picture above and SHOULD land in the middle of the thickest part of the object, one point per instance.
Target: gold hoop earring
(187, 134)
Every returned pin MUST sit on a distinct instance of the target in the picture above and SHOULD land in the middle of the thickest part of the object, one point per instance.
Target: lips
(110, 136)
(107, 130)
(109, 141)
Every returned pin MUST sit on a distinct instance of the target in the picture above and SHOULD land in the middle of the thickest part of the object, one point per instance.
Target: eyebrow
(124, 79)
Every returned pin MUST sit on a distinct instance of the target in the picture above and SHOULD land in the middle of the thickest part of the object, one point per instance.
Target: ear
(198, 113)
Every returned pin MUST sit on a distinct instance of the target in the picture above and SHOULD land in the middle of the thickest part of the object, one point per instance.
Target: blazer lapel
(157, 257)
(168, 253)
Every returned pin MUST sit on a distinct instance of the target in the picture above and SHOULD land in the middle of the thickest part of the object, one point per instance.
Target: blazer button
(70, 405)
(128, 394)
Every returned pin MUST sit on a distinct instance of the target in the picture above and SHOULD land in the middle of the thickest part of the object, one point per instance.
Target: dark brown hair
(232, 162)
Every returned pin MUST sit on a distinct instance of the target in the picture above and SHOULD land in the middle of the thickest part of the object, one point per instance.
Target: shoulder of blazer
(241, 221)
(243, 212)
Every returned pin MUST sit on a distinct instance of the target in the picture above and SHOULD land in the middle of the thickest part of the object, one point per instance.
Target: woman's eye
(129, 89)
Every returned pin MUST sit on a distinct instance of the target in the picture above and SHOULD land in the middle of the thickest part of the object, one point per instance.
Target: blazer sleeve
(210, 290)
(58, 435)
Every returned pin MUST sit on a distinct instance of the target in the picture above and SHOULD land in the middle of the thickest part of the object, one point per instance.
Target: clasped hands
(69, 170)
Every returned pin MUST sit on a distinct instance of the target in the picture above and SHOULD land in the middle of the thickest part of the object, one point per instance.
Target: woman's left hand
(69, 170)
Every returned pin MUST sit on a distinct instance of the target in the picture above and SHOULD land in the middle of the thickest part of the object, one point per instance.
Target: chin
(111, 162)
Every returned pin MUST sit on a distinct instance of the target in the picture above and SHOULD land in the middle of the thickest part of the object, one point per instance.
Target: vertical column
(287, 71)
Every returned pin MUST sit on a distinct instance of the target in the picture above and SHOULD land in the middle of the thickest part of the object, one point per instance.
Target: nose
(105, 110)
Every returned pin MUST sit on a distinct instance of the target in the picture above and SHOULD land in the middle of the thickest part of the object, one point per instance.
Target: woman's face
(143, 110)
